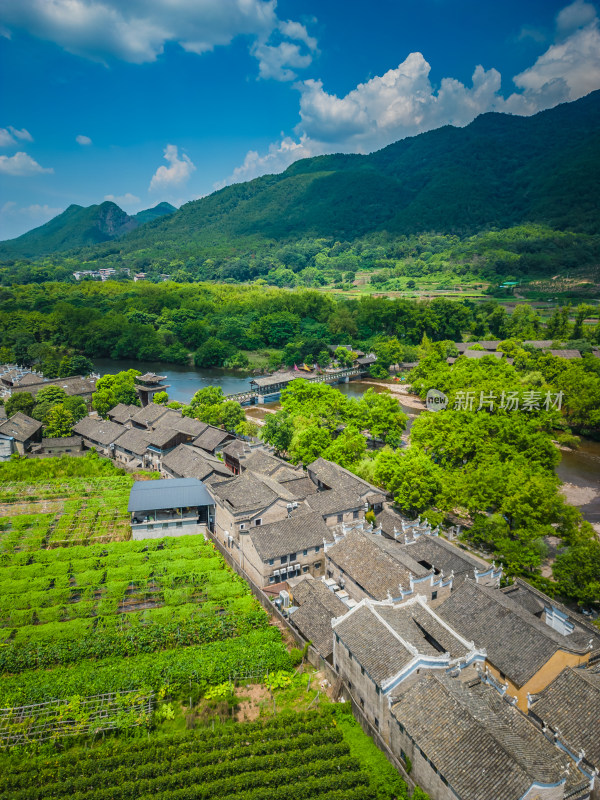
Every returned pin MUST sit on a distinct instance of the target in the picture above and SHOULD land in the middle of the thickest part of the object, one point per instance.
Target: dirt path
(409, 400)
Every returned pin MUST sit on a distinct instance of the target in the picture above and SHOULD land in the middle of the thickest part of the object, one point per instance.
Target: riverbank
(401, 390)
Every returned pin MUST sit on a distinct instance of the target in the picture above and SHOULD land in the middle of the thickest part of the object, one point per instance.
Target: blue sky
(147, 100)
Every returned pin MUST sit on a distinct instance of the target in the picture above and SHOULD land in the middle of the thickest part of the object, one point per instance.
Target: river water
(579, 467)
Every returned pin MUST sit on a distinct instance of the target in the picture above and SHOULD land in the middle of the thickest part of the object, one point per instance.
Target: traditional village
(471, 687)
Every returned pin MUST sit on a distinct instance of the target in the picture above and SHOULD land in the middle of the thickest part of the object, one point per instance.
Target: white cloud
(274, 61)
(8, 136)
(15, 220)
(123, 200)
(21, 164)
(571, 67)
(83, 140)
(577, 15)
(137, 31)
(403, 102)
(177, 173)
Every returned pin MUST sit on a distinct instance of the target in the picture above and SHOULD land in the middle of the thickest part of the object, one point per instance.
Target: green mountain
(149, 214)
(76, 227)
(499, 171)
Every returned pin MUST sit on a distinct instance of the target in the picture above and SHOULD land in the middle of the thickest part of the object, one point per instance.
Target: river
(579, 468)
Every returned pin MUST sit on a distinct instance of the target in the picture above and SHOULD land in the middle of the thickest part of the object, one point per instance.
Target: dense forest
(228, 325)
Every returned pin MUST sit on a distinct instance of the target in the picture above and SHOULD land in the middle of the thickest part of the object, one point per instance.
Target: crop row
(291, 757)
(81, 487)
(111, 553)
(203, 665)
(147, 761)
(283, 732)
(17, 656)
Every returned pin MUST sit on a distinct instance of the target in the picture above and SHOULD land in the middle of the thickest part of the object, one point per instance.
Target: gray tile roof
(188, 425)
(20, 427)
(98, 430)
(290, 535)
(211, 438)
(64, 441)
(363, 557)
(539, 344)
(189, 462)
(484, 747)
(235, 449)
(565, 353)
(318, 606)
(148, 415)
(482, 353)
(334, 502)
(534, 601)
(299, 485)
(388, 520)
(517, 643)
(279, 377)
(445, 557)
(571, 705)
(259, 460)
(133, 440)
(122, 413)
(250, 491)
(336, 477)
(383, 638)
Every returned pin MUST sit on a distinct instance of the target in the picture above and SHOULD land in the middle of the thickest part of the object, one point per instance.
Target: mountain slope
(149, 214)
(499, 171)
(75, 227)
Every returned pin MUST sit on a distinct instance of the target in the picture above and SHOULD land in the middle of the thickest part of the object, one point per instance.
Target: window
(377, 689)
(283, 560)
(258, 521)
(179, 524)
(272, 579)
(355, 515)
(329, 573)
(292, 556)
(340, 517)
(242, 526)
(305, 568)
(271, 561)
(376, 723)
(337, 638)
(305, 552)
(317, 565)
(362, 703)
(318, 549)
(434, 595)
(362, 670)
(350, 685)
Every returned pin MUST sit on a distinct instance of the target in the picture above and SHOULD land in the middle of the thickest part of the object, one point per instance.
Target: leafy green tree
(76, 406)
(345, 357)
(114, 389)
(23, 402)
(413, 479)
(212, 353)
(59, 422)
(347, 449)
(45, 399)
(161, 398)
(577, 570)
(278, 431)
(309, 443)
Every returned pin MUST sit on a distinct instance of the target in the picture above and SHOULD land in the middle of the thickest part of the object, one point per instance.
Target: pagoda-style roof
(150, 377)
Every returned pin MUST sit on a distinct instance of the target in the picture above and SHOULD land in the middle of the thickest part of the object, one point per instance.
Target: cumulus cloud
(138, 30)
(570, 68)
(83, 140)
(274, 61)
(123, 200)
(15, 220)
(21, 164)
(403, 102)
(9, 136)
(178, 171)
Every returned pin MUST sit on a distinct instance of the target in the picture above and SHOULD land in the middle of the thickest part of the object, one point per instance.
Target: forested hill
(80, 227)
(499, 171)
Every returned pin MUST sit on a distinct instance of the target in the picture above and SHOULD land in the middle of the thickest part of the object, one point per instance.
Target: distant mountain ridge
(79, 226)
(499, 171)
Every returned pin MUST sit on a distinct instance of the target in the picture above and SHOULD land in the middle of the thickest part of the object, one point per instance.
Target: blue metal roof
(168, 493)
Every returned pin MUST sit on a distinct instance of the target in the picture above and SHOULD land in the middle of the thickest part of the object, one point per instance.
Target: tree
(309, 443)
(59, 422)
(345, 357)
(46, 399)
(247, 428)
(161, 398)
(278, 431)
(577, 571)
(211, 354)
(23, 402)
(114, 389)
(76, 406)
(413, 479)
(348, 449)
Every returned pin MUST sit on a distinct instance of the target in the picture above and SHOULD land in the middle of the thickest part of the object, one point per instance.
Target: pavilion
(170, 507)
